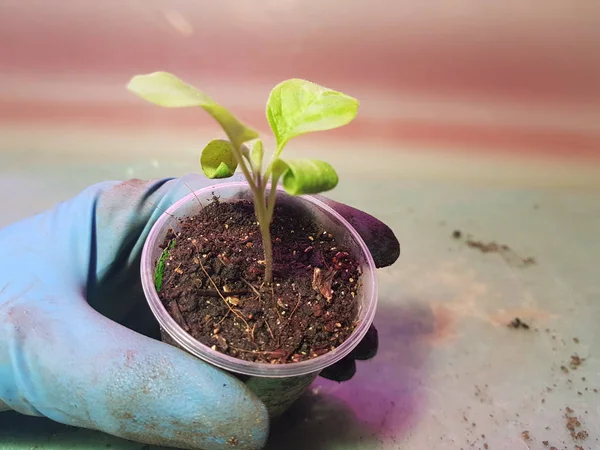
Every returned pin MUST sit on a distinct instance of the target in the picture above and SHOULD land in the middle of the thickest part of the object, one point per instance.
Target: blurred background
(478, 116)
(497, 85)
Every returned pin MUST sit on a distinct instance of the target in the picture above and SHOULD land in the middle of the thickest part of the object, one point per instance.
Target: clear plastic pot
(277, 385)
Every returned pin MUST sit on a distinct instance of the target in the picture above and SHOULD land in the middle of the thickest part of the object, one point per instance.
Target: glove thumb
(69, 363)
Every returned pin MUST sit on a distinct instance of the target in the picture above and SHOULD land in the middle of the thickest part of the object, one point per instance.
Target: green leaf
(217, 159)
(305, 176)
(256, 153)
(165, 89)
(160, 266)
(298, 106)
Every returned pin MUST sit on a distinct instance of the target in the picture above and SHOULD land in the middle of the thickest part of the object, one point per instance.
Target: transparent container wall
(277, 385)
(326, 217)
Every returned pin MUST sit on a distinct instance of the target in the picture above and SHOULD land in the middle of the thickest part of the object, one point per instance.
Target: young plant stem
(265, 230)
(272, 196)
(268, 212)
(242, 163)
(263, 216)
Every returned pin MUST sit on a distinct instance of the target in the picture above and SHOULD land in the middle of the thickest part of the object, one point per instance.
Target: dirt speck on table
(518, 323)
(509, 255)
(576, 361)
(574, 426)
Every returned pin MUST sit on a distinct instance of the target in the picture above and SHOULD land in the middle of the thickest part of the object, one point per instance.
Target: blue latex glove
(76, 334)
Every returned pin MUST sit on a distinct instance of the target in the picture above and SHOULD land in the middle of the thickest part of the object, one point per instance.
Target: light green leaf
(298, 106)
(165, 89)
(256, 153)
(305, 176)
(217, 159)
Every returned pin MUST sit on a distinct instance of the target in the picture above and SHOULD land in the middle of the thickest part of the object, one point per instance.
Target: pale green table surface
(450, 374)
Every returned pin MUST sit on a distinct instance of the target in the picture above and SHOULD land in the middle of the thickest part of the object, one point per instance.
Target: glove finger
(341, 371)
(123, 216)
(368, 346)
(103, 376)
(379, 237)
(345, 369)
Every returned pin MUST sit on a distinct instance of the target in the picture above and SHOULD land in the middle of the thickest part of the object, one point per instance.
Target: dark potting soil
(213, 284)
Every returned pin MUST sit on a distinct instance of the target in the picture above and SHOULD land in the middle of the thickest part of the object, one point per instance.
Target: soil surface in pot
(212, 284)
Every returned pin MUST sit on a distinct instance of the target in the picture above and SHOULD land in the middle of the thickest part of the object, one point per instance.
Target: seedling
(294, 107)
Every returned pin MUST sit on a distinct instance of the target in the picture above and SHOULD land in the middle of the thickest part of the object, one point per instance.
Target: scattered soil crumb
(525, 435)
(578, 447)
(581, 435)
(576, 361)
(573, 424)
(490, 247)
(564, 369)
(503, 250)
(576, 340)
(518, 323)
(485, 446)
(456, 234)
(546, 443)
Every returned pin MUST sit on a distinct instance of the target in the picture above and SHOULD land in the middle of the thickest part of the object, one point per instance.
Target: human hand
(76, 333)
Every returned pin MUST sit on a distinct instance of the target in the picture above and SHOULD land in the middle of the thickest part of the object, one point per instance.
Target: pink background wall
(511, 76)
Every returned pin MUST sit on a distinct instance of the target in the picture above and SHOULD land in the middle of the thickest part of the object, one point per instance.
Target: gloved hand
(76, 333)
